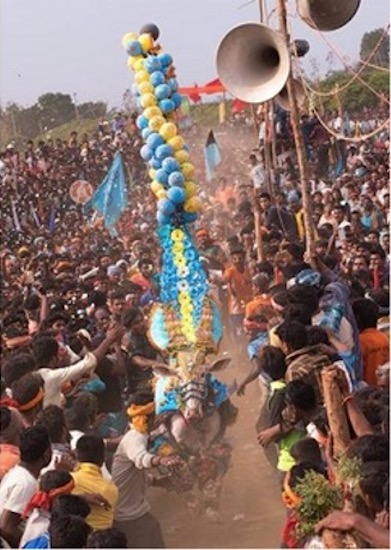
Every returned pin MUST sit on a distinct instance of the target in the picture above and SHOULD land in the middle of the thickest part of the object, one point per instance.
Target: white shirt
(16, 489)
(55, 378)
(37, 524)
(257, 175)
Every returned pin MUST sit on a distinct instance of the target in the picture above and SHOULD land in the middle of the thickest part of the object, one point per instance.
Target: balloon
(191, 189)
(155, 187)
(176, 178)
(177, 142)
(155, 163)
(141, 122)
(128, 37)
(134, 89)
(146, 42)
(141, 76)
(162, 152)
(150, 112)
(176, 195)
(166, 105)
(151, 173)
(181, 156)
(161, 194)
(154, 140)
(157, 78)
(166, 207)
(162, 219)
(187, 170)
(134, 48)
(161, 176)
(172, 82)
(145, 133)
(148, 100)
(162, 91)
(138, 63)
(189, 217)
(146, 152)
(168, 130)
(177, 99)
(169, 164)
(155, 123)
(193, 205)
(152, 64)
(165, 59)
(146, 88)
(151, 29)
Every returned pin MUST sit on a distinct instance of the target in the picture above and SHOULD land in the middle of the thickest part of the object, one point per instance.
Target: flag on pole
(34, 215)
(15, 216)
(222, 112)
(110, 197)
(52, 219)
(212, 156)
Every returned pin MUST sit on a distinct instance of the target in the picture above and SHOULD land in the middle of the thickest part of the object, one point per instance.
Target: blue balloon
(189, 217)
(162, 91)
(135, 91)
(176, 195)
(170, 164)
(177, 99)
(163, 151)
(157, 78)
(154, 140)
(134, 48)
(166, 207)
(152, 64)
(167, 106)
(161, 176)
(155, 163)
(146, 152)
(142, 122)
(173, 83)
(176, 179)
(162, 219)
(165, 59)
(145, 133)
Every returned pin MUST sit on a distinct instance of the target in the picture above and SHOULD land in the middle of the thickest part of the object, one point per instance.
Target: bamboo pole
(298, 138)
(336, 415)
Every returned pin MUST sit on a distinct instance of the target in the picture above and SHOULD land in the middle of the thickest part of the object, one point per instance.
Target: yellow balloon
(127, 38)
(162, 194)
(141, 76)
(139, 63)
(178, 249)
(168, 130)
(193, 205)
(177, 235)
(151, 112)
(182, 156)
(152, 173)
(148, 100)
(177, 142)
(187, 170)
(191, 189)
(145, 88)
(146, 42)
(156, 187)
(156, 123)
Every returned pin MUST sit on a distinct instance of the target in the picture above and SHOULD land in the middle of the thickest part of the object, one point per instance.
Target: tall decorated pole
(185, 317)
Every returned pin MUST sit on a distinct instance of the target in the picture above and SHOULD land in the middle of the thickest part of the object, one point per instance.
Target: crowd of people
(78, 368)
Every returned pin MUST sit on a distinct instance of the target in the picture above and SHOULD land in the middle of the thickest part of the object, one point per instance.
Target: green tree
(369, 42)
(55, 109)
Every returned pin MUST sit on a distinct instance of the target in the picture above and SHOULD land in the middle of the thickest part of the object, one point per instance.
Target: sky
(74, 46)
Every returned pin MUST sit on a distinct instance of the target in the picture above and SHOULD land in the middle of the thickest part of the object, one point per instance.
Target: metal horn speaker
(253, 62)
(282, 99)
(327, 15)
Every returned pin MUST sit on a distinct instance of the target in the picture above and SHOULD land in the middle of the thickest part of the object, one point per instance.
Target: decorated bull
(191, 403)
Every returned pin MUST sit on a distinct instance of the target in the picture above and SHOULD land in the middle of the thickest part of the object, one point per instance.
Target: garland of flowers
(183, 280)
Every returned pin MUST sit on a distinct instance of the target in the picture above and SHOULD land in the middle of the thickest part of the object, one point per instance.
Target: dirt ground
(252, 513)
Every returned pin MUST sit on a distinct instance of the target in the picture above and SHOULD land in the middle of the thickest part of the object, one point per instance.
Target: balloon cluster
(164, 148)
(183, 280)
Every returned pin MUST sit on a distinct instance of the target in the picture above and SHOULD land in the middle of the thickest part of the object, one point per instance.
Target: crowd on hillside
(77, 366)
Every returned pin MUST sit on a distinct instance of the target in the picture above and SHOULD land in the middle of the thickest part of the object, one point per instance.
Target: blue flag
(110, 197)
(212, 156)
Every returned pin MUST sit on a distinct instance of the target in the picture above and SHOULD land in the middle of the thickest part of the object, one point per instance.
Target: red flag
(238, 106)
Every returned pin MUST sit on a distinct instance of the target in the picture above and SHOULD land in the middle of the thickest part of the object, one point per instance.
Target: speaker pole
(298, 138)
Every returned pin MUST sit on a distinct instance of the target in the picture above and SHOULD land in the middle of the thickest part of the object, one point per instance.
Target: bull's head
(190, 381)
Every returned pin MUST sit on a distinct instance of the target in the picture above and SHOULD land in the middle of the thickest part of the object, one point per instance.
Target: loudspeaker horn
(327, 15)
(282, 99)
(253, 62)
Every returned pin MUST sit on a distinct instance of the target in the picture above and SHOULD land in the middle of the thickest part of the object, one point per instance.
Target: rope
(356, 75)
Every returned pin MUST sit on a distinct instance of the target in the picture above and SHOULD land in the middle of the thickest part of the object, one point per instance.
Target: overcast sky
(74, 46)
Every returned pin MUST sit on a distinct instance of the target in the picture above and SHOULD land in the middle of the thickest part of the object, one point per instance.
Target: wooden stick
(336, 415)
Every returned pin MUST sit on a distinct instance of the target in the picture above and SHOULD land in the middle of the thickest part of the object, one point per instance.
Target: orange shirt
(375, 349)
(9, 456)
(241, 284)
(253, 307)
